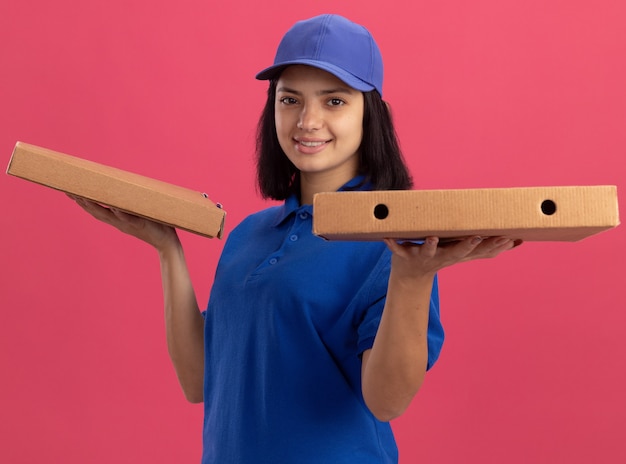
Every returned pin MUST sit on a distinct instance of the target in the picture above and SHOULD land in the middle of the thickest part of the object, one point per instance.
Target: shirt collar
(292, 203)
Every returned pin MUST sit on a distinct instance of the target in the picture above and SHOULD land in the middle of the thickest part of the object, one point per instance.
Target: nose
(310, 118)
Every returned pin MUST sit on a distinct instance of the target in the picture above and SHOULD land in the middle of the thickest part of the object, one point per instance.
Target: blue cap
(335, 44)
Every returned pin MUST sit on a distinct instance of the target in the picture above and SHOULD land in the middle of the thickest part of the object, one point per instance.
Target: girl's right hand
(156, 234)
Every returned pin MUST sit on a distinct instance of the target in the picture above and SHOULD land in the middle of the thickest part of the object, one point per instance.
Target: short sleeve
(436, 333)
(377, 285)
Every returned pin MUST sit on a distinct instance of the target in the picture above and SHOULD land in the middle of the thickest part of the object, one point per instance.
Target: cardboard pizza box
(150, 198)
(567, 213)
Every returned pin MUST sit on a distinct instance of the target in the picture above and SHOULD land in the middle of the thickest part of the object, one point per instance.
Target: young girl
(309, 348)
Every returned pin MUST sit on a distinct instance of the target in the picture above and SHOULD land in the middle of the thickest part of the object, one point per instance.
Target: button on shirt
(288, 318)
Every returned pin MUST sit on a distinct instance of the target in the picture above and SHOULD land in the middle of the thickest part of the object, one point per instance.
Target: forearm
(183, 322)
(394, 369)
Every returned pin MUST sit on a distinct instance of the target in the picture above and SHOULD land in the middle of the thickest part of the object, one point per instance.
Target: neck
(310, 184)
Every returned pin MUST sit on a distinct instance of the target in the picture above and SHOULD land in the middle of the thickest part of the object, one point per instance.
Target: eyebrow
(345, 90)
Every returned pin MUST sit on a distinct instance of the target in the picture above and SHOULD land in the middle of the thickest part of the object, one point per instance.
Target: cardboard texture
(150, 198)
(527, 213)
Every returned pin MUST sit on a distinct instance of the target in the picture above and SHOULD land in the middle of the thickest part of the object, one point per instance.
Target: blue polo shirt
(288, 318)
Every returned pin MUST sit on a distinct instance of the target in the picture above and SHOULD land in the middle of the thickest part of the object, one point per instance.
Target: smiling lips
(309, 147)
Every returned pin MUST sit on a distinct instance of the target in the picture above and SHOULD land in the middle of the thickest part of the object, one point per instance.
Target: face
(319, 123)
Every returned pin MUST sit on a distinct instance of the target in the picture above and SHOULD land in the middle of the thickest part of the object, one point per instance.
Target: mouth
(311, 144)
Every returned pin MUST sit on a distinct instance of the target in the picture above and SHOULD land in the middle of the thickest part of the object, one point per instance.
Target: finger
(96, 210)
(498, 244)
(407, 248)
(122, 215)
(493, 246)
(429, 248)
(394, 246)
(466, 246)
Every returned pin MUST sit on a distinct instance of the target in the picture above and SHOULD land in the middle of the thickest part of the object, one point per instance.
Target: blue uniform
(288, 318)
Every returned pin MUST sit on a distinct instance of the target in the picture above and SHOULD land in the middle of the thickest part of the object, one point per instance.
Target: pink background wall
(487, 93)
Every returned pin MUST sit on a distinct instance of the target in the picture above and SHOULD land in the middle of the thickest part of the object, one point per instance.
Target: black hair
(381, 161)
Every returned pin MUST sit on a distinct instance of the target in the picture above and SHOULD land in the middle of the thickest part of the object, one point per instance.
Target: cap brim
(346, 77)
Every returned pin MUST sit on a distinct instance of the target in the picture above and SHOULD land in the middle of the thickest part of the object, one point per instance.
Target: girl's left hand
(412, 260)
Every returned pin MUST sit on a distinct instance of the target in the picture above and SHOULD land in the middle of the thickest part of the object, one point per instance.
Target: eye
(336, 102)
(288, 100)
